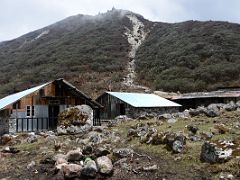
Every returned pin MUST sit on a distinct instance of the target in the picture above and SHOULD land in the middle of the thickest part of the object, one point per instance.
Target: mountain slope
(190, 56)
(95, 53)
(90, 51)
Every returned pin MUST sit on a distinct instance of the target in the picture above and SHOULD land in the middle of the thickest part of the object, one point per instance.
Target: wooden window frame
(30, 111)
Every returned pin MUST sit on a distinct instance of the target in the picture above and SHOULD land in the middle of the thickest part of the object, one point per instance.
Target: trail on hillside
(135, 38)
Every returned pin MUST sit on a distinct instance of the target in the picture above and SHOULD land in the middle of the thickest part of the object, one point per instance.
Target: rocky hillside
(190, 145)
(122, 50)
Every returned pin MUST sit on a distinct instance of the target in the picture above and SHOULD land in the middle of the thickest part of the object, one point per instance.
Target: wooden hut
(133, 104)
(37, 108)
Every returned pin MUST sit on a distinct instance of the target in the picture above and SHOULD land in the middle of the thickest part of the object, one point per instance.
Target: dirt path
(135, 39)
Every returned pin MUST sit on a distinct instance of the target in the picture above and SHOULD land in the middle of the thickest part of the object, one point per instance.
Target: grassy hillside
(190, 56)
(90, 51)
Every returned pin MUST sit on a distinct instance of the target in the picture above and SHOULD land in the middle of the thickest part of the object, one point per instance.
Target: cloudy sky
(18, 17)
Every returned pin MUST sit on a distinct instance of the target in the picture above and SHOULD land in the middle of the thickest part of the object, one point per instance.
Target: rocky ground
(190, 145)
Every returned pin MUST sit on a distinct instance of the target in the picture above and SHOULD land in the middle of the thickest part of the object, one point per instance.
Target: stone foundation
(134, 112)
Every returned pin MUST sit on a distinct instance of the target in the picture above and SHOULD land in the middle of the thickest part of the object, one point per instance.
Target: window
(30, 111)
(33, 111)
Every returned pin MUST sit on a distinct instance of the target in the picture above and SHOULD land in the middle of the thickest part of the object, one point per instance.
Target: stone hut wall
(4, 122)
(135, 112)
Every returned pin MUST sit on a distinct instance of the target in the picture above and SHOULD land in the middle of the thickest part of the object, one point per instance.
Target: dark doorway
(122, 109)
(53, 111)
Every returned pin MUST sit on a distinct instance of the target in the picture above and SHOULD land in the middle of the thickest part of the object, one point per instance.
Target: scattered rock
(104, 164)
(222, 129)
(122, 152)
(101, 152)
(230, 106)
(32, 139)
(87, 150)
(12, 150)
(72, 170)
(61, 130)
(206, 135)
(5, 139)
(89, 168)
(212, 153)
(172, 120)
(192, 128)
(164, 116)
(150, 168)
(31, 165)
(74, 155)
(48, 160)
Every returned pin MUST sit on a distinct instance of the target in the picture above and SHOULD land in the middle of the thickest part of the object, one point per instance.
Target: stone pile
(79, 164)
(149, 135)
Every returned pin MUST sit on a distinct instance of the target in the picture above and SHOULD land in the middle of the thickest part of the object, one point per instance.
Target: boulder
(78, 115)
(101, 151)
(104, 164)
(32, 138)
(215, 153)
(122, 152)
(74, 155)
(150, 168)
(164, 116)
(61, 130)
(221, 128)
(212, 112)
(60, 160)
(238, 104)
(192, 128)
(208, 153)
(87, 150)
(206, 135)
(5, 139)
(57, 156)
(31, 165)
(89, 168)
(72, 171)
(132, 132)
(230, 106)
(174, 142)
(172, 120)
(12, 150)
(177, 146)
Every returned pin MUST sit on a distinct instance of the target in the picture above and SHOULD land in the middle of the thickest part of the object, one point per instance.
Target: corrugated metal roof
(143, 100)
(15, 97)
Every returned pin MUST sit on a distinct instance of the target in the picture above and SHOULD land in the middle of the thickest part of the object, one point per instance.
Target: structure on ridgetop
(133, 104)
(38, 108)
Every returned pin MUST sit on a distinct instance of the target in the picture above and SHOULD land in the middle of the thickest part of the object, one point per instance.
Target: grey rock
(104, 164)
(172, 120)
(150, 168)
(177, 146)
(32, 139)
(230, 106)
(164, 116)
(31, 165)
(87, 150)
(89, 168)
(122, 152)
(212, 154)
(208, 153)
(72, 171)
(100, 151)
(61, 130)
(74, 155)
(192, 128)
